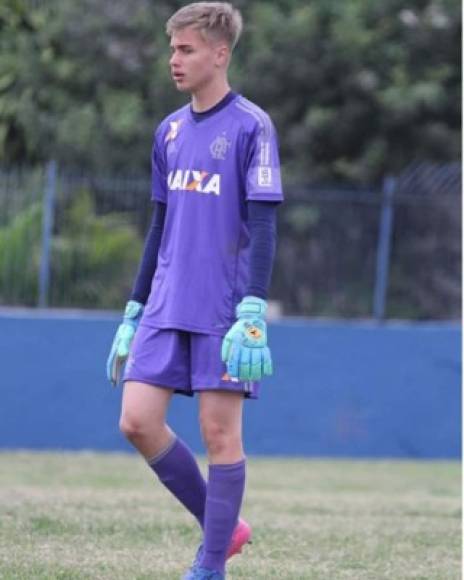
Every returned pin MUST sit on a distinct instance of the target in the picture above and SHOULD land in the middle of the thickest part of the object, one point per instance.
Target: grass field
(103, 516)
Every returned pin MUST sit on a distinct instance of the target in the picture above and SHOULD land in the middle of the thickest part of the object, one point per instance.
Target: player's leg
(221, 403)
(143, 421)
(144, 409)
(143, 417)
(221, 427)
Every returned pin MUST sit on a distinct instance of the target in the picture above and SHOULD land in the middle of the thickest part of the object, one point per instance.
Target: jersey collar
(197, 117)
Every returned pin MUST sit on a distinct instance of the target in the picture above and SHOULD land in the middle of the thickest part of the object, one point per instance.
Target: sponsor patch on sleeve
(264, 176)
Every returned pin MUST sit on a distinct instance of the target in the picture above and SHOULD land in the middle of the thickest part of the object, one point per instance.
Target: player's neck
(205, 99)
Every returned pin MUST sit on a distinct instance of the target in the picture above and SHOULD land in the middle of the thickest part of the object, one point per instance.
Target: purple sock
(226, 484)
(178, 470)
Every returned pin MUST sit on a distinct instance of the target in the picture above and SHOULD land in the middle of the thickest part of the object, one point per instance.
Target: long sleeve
(143, 280)
(262, 225)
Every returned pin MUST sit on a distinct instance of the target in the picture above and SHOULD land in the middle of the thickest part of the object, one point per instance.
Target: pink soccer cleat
(240, 537)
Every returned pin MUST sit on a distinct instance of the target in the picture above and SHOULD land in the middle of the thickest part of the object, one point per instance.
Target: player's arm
(245, 347)
(262, 217)
(149, 261)
(141, 289)
(139, 296)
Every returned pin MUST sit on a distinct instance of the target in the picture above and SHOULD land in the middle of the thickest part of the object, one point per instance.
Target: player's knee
(132, 427)
(216, 437)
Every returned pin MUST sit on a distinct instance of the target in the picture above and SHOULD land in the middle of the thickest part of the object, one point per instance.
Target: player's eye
(182, 50)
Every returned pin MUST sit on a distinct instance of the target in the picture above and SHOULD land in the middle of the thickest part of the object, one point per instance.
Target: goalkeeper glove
(122, 341)
(244, 348)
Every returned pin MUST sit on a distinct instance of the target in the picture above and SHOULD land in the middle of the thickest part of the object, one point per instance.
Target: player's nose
(174, 60)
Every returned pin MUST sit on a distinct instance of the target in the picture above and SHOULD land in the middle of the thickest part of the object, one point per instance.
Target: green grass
(104, 516)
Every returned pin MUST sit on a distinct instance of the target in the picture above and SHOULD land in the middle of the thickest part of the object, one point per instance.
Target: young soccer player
(195, 321)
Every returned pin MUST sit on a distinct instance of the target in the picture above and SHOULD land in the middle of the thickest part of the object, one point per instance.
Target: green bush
(93, 257)
(20, 257)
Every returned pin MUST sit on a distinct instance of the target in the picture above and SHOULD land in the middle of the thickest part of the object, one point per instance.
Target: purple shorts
(184, 361)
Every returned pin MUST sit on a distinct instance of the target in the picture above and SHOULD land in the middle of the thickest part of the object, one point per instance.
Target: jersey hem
(275, 197)
(158, 198)
(186, 327)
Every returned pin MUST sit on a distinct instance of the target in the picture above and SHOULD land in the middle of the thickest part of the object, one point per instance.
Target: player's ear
(222, 55)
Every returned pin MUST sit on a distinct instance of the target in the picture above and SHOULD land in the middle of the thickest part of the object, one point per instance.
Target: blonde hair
(215, 20)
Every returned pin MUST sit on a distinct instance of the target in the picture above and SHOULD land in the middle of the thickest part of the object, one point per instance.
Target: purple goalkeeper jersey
(205, 171)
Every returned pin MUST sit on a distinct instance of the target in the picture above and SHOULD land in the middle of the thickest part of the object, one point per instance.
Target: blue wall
(340, 389)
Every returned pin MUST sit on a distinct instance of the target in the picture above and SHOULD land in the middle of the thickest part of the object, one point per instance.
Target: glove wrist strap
(251, 306)
(133, 310)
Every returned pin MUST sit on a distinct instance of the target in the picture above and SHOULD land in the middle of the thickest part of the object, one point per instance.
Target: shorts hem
(247, 394)
(191, 392)
(177, 389)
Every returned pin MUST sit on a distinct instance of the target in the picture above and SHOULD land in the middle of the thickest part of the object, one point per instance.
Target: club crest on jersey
(192, 180)
(219, 147)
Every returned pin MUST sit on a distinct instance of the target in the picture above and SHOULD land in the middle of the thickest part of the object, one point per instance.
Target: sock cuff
(219, 468)
(159, 456)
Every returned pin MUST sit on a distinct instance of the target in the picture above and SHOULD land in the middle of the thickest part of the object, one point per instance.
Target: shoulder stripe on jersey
(174, 115)
(183, 109)
(258, 114)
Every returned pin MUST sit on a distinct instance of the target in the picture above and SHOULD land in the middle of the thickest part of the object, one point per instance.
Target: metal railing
(71, 240)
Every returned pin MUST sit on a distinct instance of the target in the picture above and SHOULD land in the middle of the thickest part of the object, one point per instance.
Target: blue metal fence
(66, 239)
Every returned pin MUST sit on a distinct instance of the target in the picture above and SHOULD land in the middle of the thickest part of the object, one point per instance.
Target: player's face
(194, 62)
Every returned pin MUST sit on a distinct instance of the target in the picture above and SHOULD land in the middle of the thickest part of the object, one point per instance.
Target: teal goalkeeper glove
(122, 341)
(244, 348)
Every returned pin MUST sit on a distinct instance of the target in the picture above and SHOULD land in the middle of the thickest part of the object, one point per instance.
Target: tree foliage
(356, 89)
